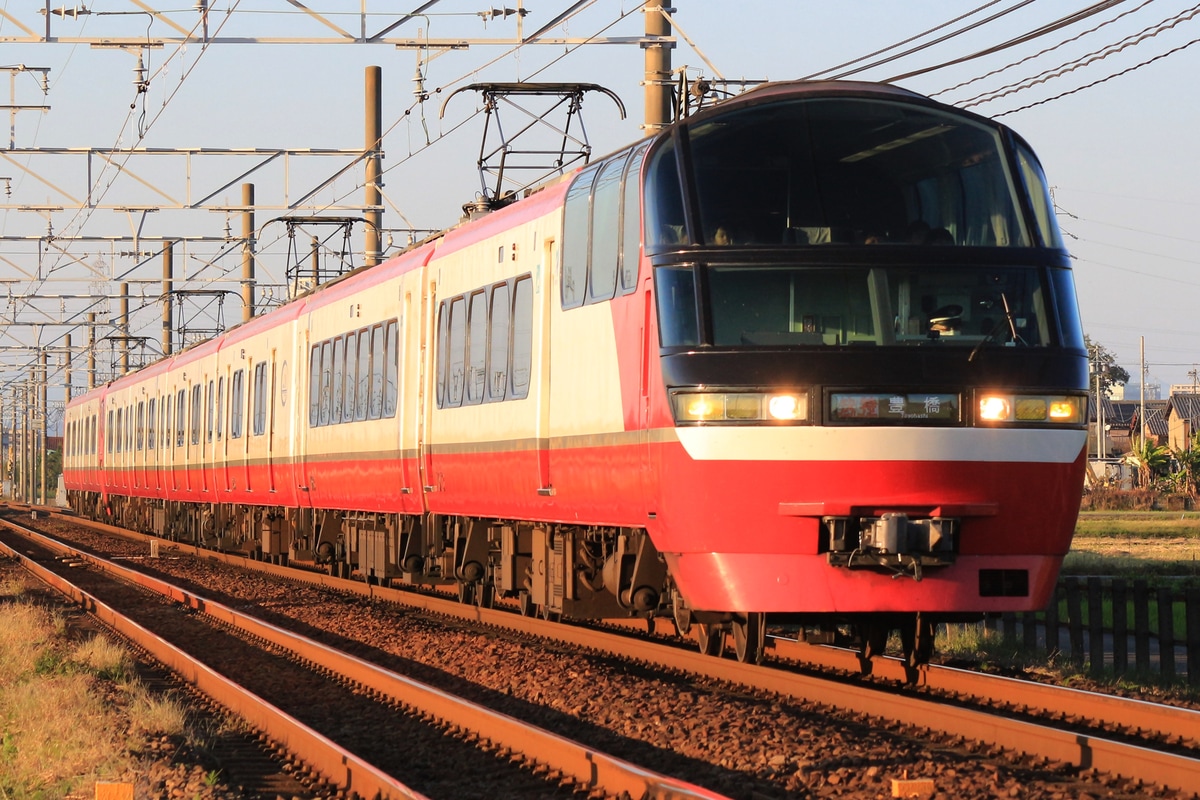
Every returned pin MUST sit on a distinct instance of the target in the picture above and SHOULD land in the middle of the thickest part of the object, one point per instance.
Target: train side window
(522, 338)
(94, 436)
(377, 352)
(391, 367)
(152, 423)
(119, 430)
(314, 386)
(220, 404)
(108, 428)
(631, 221)
(166, 429)
(443, 342)
(362, 395)
(476, 348)
(197, 405)
(180, 416)
(326, 382)
(351, 377)
(237, 407)
(260, 398)
(575, 246)
(339, 379)
(141, 425)
(129, 428)
(210, 402)
(498, 337)
(606, 232)
(456, 352)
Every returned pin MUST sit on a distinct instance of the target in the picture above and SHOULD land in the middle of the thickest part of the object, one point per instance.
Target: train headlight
(739, 407)
(1038, 409)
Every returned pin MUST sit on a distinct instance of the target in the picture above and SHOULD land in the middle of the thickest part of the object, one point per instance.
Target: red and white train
(813, 352)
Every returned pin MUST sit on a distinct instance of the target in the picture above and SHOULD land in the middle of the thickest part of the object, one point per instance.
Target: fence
(1101, 621)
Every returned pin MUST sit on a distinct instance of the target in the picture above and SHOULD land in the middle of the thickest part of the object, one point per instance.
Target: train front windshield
(756, 305)
(831, 171)
(841, 221)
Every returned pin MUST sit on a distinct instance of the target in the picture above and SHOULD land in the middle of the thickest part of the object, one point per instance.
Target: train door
(308, 375)
(541, 364)
(206, 438)
(649, 345)
(410, 392)
(271, 390)
(432, 358)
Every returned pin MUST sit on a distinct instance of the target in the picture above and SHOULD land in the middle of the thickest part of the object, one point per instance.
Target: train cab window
(456, 352)
(260, 398)
(197, 406)
(665, 223)
(605, 232)
(391, 367)
(677, 323)
(631, 220)
(362, 393)
(522, 338)
(1038, 192)
(477, 331)
(575, 247)
(351, 376)
(237, 403)
(220, 403)
(501, 317)
(378, 351)
(151, 423)
(339, 380)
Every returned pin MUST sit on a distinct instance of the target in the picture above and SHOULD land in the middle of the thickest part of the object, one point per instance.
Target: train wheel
(916, 637)
(682, 614)
(712, 639)
(750, 638)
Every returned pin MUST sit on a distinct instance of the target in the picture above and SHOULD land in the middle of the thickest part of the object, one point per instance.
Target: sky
(1109, 103)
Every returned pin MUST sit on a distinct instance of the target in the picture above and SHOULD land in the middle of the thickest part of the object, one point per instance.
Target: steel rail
(586, 766)
(1080, 749)
(336, 764)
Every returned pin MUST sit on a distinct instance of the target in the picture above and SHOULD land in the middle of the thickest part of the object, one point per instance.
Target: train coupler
(890, 542)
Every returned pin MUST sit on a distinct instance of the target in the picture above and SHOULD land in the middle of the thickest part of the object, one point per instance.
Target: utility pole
(247, 252)
(657, 82)
(373, 164)
(1142, 413)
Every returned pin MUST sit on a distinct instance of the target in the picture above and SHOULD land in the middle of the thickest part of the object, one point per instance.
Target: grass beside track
(63, 731)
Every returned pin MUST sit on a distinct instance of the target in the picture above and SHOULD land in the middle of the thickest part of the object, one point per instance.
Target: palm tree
(1150, 460)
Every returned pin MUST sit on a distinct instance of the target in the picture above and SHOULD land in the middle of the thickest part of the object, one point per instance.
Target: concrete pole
(657, 82)
(91, 367)
(168, 323)
(43, 423)
(316, 261)
(124, 329)
(67, 370)
(373, 161)
(247, 251)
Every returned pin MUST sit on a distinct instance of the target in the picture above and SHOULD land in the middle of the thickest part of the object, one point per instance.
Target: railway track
(301, 693)
(1082, 738)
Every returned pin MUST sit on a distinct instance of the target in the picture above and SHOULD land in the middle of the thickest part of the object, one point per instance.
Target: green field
(1135, 544)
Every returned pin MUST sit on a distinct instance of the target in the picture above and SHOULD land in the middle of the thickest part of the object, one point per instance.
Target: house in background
(1183, 419)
